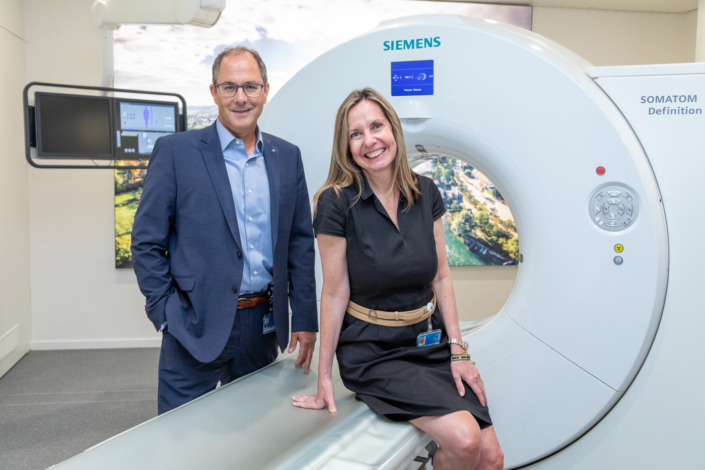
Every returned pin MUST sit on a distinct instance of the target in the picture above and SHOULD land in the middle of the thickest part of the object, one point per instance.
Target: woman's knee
(469, 448)
(466, 443)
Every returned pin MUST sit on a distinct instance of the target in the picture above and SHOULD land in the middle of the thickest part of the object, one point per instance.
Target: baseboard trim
(9, 341)
(13, 358)
(96, 344)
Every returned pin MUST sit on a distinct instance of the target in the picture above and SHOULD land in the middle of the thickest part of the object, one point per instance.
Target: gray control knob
(614, 208)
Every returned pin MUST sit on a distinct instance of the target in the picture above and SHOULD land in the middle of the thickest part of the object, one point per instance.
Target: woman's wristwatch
(459, 342)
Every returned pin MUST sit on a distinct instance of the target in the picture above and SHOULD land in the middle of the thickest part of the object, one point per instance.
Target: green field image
(479, 227)
(457, 251)
(128, 192)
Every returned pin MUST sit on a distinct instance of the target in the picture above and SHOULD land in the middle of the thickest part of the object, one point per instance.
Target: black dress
(392, 270)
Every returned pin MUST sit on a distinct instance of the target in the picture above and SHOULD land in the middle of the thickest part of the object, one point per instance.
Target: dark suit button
(234, 289)
(239, 254)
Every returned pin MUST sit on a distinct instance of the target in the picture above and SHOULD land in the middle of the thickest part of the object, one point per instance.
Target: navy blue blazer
(186, 243)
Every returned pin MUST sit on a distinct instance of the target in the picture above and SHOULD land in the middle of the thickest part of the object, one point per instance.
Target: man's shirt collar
(226, 137)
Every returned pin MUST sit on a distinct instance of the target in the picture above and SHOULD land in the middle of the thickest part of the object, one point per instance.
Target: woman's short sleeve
(331, 214)
(438, 208)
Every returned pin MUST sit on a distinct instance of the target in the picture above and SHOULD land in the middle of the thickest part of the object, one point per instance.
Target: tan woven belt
(391, 318)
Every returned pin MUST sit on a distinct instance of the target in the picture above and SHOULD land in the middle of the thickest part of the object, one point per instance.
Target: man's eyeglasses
(228, 90)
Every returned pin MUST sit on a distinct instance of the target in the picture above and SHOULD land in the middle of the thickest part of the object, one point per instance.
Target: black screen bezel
(113, 108)
(38, 124)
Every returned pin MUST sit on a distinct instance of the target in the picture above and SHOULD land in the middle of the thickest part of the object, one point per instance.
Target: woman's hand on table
(319, 400)
(465, 371)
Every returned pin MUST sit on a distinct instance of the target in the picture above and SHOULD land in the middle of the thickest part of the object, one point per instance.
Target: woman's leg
(459, 439)
(491, 455)
(462, 446)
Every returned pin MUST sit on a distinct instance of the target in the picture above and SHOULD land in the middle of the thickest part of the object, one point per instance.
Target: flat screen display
(101, 127)
(412, 78)
(73, 126)
(140, 124)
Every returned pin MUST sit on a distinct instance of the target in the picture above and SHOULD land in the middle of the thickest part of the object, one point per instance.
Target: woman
(382, 246)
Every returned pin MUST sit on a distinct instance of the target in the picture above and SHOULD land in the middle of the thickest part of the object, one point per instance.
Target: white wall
(481, 291)
(700, 36)
(14, 227)
(620, 37)
(79, 299)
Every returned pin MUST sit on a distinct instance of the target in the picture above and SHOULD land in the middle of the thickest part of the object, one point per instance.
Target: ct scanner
(594, 361)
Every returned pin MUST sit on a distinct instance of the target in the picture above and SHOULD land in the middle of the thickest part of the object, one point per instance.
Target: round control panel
(614, 208)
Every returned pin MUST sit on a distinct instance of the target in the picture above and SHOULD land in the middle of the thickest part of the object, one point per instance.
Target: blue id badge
(429, 338)
(268, 325)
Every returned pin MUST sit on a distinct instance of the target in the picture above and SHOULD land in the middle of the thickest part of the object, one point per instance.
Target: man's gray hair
(238, 50)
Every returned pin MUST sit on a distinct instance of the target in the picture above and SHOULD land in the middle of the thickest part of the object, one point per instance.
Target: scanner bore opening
(481, 233)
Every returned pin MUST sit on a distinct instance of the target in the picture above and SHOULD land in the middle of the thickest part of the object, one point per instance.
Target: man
(223, 241)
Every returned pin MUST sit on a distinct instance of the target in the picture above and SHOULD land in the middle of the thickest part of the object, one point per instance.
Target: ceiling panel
(663, 6)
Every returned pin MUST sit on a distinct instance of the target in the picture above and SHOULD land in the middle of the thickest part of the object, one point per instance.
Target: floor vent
(8, 342)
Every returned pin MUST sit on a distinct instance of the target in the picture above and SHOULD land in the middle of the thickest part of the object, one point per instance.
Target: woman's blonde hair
(343, 169)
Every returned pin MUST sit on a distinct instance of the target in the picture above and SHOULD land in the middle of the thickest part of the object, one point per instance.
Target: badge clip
(268, 325)
(431, 337)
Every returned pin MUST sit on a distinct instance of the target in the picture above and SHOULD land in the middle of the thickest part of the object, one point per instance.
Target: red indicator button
(600, 170)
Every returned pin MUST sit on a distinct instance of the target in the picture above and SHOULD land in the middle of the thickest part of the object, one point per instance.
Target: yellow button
(619, 248)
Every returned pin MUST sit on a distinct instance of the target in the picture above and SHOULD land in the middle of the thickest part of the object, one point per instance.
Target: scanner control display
(412, 78)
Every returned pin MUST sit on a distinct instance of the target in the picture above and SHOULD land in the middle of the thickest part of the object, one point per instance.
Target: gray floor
(56, 404)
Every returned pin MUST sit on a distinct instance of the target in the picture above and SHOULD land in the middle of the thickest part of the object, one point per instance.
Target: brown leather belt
(247, 302)
(378, 317)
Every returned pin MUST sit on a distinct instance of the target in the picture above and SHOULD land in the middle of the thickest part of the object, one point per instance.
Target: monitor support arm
(109, 15)
(108, 55)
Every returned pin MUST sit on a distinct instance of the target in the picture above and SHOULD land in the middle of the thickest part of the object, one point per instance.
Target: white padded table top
(251, 424)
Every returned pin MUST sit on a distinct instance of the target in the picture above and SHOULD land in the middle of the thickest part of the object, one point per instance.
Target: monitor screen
(139, 124)
(73, 126)
(412, 78)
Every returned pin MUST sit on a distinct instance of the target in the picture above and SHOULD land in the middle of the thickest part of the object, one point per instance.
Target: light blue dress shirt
(250, 187)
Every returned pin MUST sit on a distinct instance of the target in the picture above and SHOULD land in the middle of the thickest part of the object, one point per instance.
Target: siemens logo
(420, 43)
(670, 99)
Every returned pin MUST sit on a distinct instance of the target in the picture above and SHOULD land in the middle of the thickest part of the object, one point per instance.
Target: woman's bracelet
(459, 357)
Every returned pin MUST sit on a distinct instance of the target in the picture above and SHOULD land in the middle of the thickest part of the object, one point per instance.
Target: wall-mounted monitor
(97, 127)
(73, 126)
